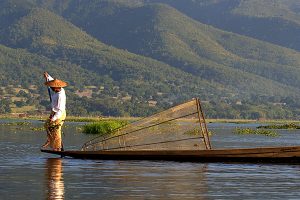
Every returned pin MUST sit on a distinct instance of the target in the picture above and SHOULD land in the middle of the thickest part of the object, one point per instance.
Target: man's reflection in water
(55, 182)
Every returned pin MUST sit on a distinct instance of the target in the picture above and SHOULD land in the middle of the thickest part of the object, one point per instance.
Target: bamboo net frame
(181, 127)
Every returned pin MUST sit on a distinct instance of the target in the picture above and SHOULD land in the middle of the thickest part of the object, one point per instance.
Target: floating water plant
(197, 131)
(38, 129)
(15, 124)
(103, 127)
(280, 126)
(244, 131)
(193, 132)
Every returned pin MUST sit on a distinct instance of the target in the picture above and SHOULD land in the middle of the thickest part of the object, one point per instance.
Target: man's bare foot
(45, 145)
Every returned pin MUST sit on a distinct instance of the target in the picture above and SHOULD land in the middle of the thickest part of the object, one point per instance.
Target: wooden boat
(256, 155)
(177, 134)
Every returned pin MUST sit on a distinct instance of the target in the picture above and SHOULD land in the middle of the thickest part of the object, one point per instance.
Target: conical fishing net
(181, 127)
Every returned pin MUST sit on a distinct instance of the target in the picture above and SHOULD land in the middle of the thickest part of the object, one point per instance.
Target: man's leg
(46, 125)
(57, 139)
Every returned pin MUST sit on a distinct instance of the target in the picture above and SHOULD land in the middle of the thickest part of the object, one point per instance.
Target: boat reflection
(54, 177)
(158, 181)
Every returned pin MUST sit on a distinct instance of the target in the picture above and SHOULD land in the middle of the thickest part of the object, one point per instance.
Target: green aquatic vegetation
(79, 129)
(197, 131)
(103, 127)
(194, 131)
(83, 119)
(280, 126)
(244, 131)
(38, 129)
(15, 124)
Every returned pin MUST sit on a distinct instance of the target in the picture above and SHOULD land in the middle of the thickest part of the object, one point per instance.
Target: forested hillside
(133, 58)
(196, 48)
(275, 21)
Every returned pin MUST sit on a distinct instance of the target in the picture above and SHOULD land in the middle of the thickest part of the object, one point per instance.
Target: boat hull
(258, 155)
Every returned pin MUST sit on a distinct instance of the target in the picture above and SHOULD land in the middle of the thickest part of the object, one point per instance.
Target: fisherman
(58, 112)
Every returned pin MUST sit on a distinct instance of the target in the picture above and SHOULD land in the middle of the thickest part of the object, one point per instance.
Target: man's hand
(51, 116)
(46, 75)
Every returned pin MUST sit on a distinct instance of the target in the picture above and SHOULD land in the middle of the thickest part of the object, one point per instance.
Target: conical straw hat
(56, 83)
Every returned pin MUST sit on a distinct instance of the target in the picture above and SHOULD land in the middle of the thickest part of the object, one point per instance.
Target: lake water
(26, 173)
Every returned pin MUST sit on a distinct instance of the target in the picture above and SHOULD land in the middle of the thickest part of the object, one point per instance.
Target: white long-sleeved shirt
(58, 102)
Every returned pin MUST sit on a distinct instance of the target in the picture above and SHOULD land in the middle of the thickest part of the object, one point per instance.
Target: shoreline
(70, 118)
(131, 119)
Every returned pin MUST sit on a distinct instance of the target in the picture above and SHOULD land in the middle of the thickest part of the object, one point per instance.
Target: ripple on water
(26, 172)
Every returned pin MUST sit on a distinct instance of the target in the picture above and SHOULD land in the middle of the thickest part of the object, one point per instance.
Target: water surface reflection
(54, 177)
(26, 173)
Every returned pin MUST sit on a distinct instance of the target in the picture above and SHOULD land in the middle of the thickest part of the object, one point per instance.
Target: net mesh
(179, 128)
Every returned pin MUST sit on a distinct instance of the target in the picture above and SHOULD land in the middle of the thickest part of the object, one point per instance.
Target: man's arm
(48, 78)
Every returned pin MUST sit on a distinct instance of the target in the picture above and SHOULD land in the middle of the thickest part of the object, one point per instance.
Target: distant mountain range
(275, 21)
(142, 56)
